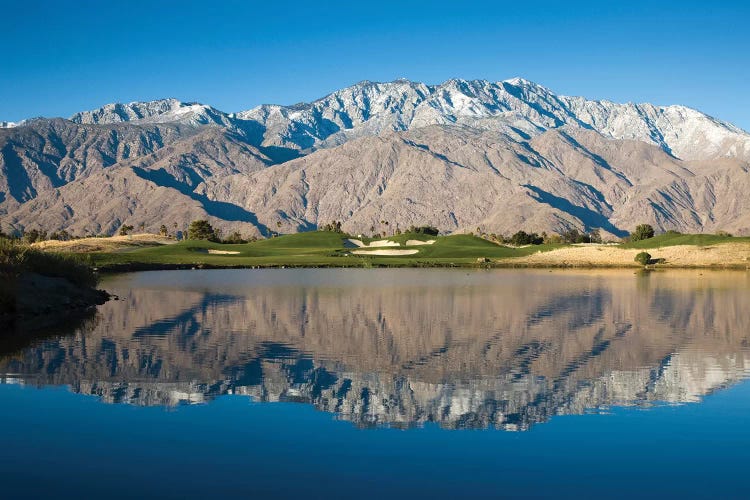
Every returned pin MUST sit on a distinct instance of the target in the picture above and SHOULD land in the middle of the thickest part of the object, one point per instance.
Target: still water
(367, 383)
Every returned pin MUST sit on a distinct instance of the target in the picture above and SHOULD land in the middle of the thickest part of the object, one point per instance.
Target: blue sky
(60, 57)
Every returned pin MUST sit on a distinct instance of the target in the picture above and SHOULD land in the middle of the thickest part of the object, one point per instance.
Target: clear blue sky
(59, 57)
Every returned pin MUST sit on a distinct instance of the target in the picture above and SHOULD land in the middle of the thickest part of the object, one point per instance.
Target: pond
(374, 382)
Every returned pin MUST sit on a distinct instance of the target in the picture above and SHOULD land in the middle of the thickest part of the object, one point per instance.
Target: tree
(428, 230)
(201, 230)
(575, 236)
(234, 237)
(642, 232)
(34, 235)
(125, 229)
(524, 238)
(163, 230)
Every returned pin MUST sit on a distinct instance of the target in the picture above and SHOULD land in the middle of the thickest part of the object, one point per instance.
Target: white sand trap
(222, 252)
(383, 243)
(373, 244)
(385, 252)
(414, 243)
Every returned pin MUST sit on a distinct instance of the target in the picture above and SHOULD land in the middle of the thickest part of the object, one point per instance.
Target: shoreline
(145, 266)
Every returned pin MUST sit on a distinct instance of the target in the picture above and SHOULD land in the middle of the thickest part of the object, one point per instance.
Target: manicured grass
(471, 247)
(675, 239)
(317, 248)
(326, 249)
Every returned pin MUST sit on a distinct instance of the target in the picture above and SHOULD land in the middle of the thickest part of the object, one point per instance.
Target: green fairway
(316, 248)
(328, 249)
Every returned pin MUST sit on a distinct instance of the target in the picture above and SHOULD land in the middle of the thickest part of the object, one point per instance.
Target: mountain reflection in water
(474, 349)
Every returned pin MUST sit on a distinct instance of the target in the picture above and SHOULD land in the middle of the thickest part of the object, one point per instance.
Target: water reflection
(503, 349)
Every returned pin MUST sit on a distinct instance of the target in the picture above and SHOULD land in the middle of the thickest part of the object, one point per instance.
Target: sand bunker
(222, 252)
(350, 243)
(413, 243)
(385, 252)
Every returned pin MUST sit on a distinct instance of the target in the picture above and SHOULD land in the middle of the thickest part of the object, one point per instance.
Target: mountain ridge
(601, 164)
(167, 109)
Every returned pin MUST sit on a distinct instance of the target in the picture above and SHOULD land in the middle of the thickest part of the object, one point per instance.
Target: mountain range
(498, 156)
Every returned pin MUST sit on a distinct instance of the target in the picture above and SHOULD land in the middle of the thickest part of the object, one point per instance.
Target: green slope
(316, 248)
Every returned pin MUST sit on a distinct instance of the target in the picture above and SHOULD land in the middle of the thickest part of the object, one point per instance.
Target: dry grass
(721, 255)
(111, 244)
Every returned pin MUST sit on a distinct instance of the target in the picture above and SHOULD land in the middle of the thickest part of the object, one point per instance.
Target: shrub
(34, 235)
(334, 226)
(428, 230)
(643, 258)
(642, 232)
(235, 238)
(553, 239)
(16, 258)
(62, 235)
(125, 229)
(523, 238)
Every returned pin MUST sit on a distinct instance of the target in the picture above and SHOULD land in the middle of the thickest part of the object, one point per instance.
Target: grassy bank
(19, 261)
(19, 258)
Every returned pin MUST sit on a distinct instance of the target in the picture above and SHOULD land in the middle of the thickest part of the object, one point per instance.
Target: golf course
(334, 249)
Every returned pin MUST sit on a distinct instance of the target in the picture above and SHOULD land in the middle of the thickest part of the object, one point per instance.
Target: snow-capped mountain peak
(158, 111)
(517, 107)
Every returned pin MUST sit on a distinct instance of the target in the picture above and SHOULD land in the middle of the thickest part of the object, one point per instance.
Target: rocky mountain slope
(460, 155)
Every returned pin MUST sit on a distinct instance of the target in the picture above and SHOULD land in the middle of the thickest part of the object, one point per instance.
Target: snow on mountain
(518, 107)
(10, 124)
(159, 111)
(366, 108)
